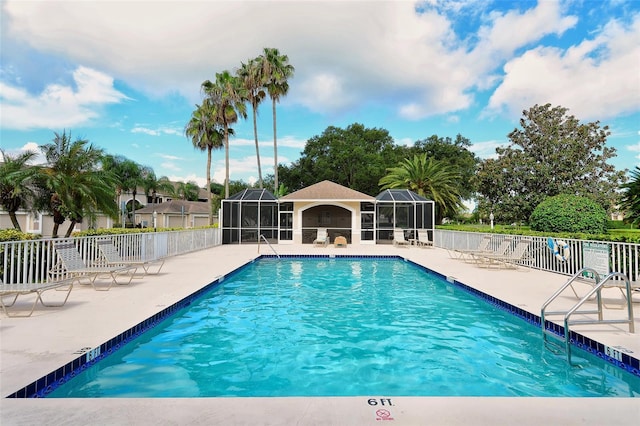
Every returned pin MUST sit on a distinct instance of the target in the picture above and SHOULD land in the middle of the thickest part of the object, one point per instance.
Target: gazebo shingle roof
(327, 190)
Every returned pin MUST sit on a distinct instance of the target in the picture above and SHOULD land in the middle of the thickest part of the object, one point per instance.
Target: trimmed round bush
(569, 213)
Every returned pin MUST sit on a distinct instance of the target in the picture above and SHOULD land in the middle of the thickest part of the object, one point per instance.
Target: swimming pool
(342, 327)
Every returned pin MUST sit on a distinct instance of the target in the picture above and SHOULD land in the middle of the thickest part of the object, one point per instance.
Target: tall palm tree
(128, 175)
(276, 72)
(152, 185)
(205, 134)
(429, 178)
(16, 183)
(250, 75)
(76, 184)
(186, 191)
(225, 97)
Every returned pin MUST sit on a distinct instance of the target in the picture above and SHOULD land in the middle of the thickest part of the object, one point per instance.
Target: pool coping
(46, 384)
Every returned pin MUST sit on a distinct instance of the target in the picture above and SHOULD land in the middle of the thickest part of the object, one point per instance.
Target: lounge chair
(422, 240)
(398, 238)
(483, 247)
(512, 259)
(112, 257)
(481, 256)
(71, 261)
(16, 290)
(322, 238)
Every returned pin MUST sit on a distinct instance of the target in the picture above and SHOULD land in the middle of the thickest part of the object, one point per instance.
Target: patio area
(33, 347)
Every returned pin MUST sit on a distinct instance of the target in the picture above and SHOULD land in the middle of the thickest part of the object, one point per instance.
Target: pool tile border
(45, 385)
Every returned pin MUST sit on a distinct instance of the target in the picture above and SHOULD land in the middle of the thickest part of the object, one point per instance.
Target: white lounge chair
(112, 257)
(422, 240)
(71, 261)
(398, 238)
(481, 256)
(483, 247)
(322, 238)
(511, 259)
(16, 290)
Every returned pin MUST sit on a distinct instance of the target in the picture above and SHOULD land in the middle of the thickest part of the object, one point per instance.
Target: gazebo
(403, 209)
(249, 214)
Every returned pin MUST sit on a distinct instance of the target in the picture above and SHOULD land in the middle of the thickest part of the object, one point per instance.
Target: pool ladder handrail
(599, 285)
(262, 237)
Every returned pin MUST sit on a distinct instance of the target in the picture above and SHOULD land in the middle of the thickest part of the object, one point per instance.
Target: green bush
(569, 213)
(15, 235)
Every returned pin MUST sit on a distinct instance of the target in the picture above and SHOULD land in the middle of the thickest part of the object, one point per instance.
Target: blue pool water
(342, 327)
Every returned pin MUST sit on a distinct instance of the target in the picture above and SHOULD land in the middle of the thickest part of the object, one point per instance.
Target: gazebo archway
(336, 219)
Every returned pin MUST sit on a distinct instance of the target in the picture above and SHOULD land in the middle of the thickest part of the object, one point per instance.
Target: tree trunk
(255, 134)
(58, 218)
(14, 221)
(226, 161)
(133, 208)
(275, 151)
(209, 185)
(70, 228)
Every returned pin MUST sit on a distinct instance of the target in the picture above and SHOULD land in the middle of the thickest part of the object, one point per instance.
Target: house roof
(327, 190)
(176, 207)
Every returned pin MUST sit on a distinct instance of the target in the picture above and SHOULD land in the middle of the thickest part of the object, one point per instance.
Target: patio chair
(71, 261)
(513, 259)
(480, 256)
(322, 238)
(16, 290)
(467, 255)
(398, 238)
(422, 240)
(112, 257)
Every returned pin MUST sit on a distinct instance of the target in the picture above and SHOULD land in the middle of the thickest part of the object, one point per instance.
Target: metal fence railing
(34, 261)
(31, 261)
(620, 257)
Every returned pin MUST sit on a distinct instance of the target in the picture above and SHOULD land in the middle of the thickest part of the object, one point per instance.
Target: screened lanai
(249, 214)
(403, 209)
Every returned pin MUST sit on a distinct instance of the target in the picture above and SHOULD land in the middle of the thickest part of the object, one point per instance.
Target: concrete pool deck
(33, 347)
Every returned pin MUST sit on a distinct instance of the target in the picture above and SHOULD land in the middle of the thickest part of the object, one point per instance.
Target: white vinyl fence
(599, 255)
(34, 261)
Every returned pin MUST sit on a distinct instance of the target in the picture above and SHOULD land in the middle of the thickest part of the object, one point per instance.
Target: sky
(127, 75)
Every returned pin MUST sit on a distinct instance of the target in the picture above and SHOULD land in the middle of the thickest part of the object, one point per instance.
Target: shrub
(14, 235)
(569, 213)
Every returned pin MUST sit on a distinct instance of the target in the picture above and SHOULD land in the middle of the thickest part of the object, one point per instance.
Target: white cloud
(168, 165)
(325, 93)
(58, 105)
(163, 130)
(634, 148)
(487, 149)
(404, 141)
(200, 181)
(346, 54)
(595, 79)
(27, 147)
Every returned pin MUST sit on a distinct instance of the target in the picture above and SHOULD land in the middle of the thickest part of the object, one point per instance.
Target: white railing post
(32, 260)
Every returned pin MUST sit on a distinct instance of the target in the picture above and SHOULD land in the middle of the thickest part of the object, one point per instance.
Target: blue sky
(127, 75)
